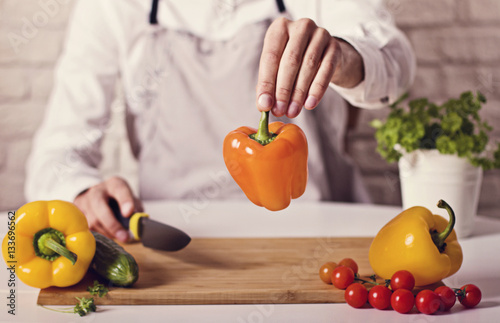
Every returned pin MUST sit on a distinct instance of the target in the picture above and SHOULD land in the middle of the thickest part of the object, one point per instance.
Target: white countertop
(207, 218)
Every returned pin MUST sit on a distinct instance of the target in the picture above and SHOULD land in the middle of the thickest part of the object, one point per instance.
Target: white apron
(190, 92)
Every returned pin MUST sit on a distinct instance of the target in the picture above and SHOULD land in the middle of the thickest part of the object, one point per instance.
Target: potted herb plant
(441, 152)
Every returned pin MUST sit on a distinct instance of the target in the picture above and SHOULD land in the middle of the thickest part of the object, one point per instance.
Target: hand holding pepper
(299, 59)
(269, 164)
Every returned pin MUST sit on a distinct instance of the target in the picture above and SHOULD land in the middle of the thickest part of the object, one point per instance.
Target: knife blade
(151, 233)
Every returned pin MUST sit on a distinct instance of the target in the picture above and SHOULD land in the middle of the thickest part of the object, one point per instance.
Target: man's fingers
(290, 64)
(100, 207)
(309, 68)
(98, 227)
(322, 79)
(94, 203)
(138, 205)
(274, 45)
(296, 66)
(84, 203)
(119, 189)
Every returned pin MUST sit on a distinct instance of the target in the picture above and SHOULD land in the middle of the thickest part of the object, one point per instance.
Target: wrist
(349, 71)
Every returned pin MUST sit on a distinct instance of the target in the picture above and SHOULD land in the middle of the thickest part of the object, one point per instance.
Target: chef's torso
(186, 90)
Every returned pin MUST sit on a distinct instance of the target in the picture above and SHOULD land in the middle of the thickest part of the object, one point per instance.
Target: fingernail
(275, 111)
(293, 110)
(122, 235)
(311, 102)
(127, 208)
(280, 108)
(265, 101)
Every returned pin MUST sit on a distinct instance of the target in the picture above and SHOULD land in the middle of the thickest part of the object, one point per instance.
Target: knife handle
(113, 205)
(132, 224)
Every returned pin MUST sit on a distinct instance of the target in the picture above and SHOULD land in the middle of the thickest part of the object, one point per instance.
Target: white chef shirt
(177, 113)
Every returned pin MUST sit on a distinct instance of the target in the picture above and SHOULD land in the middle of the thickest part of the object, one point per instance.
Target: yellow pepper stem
(439, 238)
(49, 244)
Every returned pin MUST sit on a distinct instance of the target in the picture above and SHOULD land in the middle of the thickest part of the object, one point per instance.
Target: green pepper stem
(60, 250)
(460, 292)
(263, 131)
(49, 244)
(263, 135)
(61, 310)
(386, 283)
(439, 238)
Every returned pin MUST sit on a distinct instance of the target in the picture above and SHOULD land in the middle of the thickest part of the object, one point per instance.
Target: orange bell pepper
(269, 164)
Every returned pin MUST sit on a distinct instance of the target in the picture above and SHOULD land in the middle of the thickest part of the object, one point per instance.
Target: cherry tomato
(349, 262)
(380, 297)
(342, 277)
(469, 295)
(447, 296)
(402, 279)
(402, 301)
(427, 302)
(325, 272)
(356, 295)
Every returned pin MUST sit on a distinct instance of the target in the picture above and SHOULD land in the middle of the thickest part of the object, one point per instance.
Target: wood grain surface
(228, 271)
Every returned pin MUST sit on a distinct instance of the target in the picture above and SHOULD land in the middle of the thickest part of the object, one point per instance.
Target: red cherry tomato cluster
(340, 275)
(400, 296)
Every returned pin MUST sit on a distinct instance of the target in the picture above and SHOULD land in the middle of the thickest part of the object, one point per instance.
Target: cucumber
(113, 263)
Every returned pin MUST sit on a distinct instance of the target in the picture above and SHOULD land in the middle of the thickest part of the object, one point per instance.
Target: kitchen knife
(152, 234)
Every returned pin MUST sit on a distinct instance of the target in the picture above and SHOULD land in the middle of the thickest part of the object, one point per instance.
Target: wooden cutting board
(228, 271)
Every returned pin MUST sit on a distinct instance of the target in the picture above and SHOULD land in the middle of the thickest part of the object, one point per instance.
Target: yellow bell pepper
(420, 242)
(39, 234)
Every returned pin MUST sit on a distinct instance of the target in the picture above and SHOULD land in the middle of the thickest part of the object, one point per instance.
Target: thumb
(122, 193)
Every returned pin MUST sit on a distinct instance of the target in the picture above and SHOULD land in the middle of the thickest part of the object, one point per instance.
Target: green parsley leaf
(451, 122)
(84, 306)
(454, 127)
(97, 289)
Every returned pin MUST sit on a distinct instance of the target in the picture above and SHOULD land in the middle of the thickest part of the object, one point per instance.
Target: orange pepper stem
(439, 238)
(49, 244)
(263, 136)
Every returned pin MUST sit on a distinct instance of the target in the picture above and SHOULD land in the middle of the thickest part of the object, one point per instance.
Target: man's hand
(94, 204)
(298, 61)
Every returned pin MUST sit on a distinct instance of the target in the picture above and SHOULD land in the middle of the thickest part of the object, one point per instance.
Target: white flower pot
(427, 176)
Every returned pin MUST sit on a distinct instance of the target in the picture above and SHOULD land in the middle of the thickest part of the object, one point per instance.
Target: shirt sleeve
(66, 154)
(389, 61)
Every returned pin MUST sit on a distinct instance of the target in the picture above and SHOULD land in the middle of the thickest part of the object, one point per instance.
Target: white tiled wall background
(457, 43)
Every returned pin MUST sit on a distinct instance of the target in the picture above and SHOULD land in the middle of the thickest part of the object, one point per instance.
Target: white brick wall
(31, 37)
(409, 13)
(13, 84)
(457, 43)
(41, 49)
(467, 44)
(44, 14)
(481, 11)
